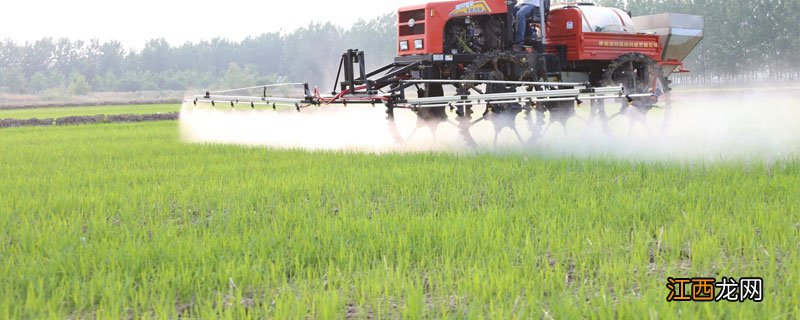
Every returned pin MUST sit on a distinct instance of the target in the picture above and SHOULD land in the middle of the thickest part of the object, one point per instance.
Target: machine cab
(421, 28)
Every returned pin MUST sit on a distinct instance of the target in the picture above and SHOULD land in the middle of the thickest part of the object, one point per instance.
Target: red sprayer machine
(457, 63)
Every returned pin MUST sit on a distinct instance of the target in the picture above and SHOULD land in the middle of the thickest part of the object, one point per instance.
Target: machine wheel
(501, 66)
(636, 73)
(429, 118)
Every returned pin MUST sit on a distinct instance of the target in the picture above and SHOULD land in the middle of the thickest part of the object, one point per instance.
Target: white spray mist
(705, 125)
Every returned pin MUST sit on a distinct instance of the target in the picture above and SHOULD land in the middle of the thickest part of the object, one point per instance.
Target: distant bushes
(80, 120)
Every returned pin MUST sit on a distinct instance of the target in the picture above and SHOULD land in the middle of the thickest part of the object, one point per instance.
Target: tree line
(754, 40)
(310, 53)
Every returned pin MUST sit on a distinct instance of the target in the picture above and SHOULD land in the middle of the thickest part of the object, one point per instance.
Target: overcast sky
(178, 21)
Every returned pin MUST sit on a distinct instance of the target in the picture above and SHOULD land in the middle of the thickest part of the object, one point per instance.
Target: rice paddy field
(116, 221)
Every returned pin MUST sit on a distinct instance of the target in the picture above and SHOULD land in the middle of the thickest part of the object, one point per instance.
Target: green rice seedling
(126, 220)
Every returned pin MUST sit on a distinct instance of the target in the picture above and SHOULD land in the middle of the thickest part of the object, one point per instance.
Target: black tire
(637, 73)
(506, 66)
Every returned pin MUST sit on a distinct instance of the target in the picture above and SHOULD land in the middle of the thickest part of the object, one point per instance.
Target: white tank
(603, 19)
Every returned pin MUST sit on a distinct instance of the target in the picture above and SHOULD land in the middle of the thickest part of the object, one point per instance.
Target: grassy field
(60, 112)
(125, 220)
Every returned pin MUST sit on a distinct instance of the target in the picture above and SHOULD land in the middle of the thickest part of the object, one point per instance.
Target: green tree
(111, 57)
(262, 51)
(72, 56)
(78, 84)
(312, 53)
(237, 77)
(40, 82)
(136, 80)
(38, 57)
(10, 57)
(15, 81)
(376, 38)
(156, 55)
(106, 82)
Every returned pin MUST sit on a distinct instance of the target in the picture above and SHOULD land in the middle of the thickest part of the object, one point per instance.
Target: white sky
(178, 21)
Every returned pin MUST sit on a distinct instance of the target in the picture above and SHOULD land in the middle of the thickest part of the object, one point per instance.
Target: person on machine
(524, 10)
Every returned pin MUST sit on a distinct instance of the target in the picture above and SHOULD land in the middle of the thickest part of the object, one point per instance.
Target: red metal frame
(565, 27)
(429, 25)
